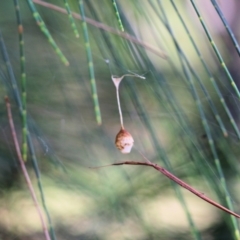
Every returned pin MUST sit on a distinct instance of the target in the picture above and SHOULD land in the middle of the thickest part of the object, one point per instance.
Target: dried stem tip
(124, 141)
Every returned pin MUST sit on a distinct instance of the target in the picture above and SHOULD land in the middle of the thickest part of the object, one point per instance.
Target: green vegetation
(184, 116)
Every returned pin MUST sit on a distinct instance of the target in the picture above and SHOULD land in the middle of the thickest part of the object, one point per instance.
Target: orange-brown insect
(124, 141)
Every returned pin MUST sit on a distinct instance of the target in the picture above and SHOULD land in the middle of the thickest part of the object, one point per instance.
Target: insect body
(124, 141)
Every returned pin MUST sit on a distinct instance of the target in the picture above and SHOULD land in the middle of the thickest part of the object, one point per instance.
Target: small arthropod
(124, 140)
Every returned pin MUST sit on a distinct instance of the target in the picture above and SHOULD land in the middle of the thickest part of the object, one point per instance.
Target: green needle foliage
(211, 78)
(118, 15)
(184, 116)
(23, 81)
(186, 70)
(19, 102)
(72, 22)
(226, 26)
(216, 49)
(90, 65)
(44, 29)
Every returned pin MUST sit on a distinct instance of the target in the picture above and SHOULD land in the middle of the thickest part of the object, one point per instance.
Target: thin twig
(176, 180)
(158, 52)
(24, 169)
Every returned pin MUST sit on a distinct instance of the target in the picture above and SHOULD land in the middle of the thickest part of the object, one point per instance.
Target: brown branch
(159, 53)
(24, 169)
(179, 182)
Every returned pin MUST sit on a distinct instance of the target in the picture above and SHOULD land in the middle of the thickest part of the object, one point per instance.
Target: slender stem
(117, 80)
(119, 107)
(24, 169)
(45, 31)
(225, 23)
(118, 15)
(23, 81)
(90, 65)
(73, 25)
(13, 82)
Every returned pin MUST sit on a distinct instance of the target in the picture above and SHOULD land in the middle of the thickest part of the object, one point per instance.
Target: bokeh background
(121, 202)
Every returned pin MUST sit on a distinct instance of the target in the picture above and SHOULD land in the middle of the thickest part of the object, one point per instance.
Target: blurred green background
(124, 202)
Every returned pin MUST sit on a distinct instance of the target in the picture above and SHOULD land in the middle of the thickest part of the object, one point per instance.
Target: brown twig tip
(109, 165)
